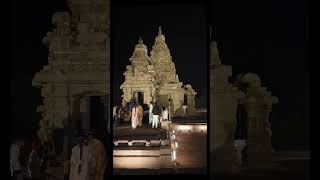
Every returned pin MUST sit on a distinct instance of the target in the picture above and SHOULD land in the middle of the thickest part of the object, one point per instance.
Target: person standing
(165, 114)
(99, 157)
(150, 112)
(114, 114)
(184, 109)
(121, 114)
(155, 118)
(81, 163)
(170, 109)
(134, 116)
(140, 114)
(15, 164)
(132, 104)
(34, 164)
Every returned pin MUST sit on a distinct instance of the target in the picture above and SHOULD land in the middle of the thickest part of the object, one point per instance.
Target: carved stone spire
(140, 40)
(140, 53)
(160, 31)
(214, 52)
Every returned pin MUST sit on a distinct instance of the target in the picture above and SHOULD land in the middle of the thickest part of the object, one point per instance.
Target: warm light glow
(136, 162)
(202, 127)
(174, 155)
(174, 136)
(136, 159)
(176, 144)
(136, 153)
(185, 127)
(195, 127)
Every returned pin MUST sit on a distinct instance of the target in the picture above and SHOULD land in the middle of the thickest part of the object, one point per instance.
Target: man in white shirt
(165, 114)
(184, 109)
(155, 117)
(114, 114)
(150, 112)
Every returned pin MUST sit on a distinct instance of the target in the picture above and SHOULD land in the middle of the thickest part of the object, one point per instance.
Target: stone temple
(75, 83)
(239, 118)
(154, 77)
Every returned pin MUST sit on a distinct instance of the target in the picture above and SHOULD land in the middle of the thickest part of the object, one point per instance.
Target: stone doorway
(91, 112)
(97, 116)
(139, 97)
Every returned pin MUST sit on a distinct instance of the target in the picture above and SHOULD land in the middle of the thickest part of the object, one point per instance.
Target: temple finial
(160, 31)
(140, 40)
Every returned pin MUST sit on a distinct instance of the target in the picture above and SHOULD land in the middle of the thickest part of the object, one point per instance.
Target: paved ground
(192, 151)
(125, 132)
(294, 166)
(197, 117)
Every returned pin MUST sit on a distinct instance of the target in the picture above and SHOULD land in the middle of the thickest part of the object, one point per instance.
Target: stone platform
(125, 132)
(140, 150)
(181, 149)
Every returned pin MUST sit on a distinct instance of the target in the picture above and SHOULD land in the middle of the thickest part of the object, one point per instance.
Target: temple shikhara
(154, 77)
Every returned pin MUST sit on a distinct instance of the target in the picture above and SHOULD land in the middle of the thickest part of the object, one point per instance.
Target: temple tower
(165, 72)
(139, 76)
(78, 65)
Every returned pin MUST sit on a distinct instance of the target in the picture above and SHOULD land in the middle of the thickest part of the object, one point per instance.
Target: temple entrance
(89, 113)
(139, 97)
(92, 115)
(97, 120)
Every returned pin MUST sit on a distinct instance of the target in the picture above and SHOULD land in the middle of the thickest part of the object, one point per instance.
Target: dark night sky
(270, 38)
(30, 22)
(187, 40)
(267, 37)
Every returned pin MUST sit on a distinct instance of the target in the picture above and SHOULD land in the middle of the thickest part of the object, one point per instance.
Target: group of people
(118, 115)
(157, 115)
(88, 158)
(30, 162)
(138, 112)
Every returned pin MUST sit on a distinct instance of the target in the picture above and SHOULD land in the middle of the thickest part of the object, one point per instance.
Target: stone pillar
(191, 103)
(258, 106)
(223, 124)
(177, 102)
(190, 93)
(106, 101)
(224, 99)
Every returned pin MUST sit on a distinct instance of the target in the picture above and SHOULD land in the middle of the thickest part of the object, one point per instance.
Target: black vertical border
(210, 4)
(111, 90)
(208, 32)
